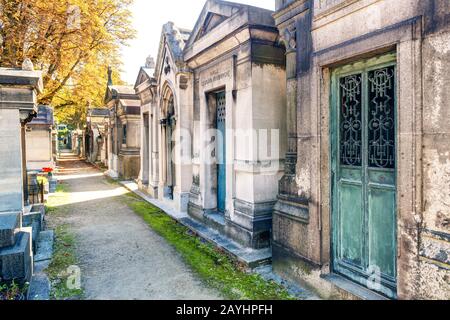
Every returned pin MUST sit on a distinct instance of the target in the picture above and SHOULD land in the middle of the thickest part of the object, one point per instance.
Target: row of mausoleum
(319, 131)
(27, 149)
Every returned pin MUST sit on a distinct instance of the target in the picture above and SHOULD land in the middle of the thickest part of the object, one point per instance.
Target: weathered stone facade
(39, 140)
(165, 88)
(96, 139)
(239, 84)
(18, 106)
(227, 180)
(123, 132)
(327, 38)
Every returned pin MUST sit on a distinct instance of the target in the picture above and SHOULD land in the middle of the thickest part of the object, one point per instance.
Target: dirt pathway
(119, 256)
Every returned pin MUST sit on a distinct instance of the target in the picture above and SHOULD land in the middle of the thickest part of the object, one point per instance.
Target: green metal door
(364, 173)
(221, 151)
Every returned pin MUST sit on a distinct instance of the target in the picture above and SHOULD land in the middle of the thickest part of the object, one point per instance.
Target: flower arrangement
(49, 171)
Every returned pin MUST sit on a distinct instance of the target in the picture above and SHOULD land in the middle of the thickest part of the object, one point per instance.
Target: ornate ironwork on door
(221, 151)
(363, 138)
(382, 118)
(351, 120)
(221, 108)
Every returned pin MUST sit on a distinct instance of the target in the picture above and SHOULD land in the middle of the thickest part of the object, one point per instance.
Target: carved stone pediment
(212, 21)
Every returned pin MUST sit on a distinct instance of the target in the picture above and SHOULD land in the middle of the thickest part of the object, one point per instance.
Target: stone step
(16, 262)
(35, 220)
(215, 220)
(9, 225)
(250, 258)
(40, 284)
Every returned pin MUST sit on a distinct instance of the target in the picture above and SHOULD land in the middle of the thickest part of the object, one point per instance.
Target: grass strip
(214, 266)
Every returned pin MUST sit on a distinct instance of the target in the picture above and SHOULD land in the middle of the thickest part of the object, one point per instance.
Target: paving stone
(41, 266)
(39, 287)
(44, 246)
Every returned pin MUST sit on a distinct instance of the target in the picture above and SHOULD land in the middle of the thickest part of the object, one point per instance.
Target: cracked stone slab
(39, 287)
(44, 246)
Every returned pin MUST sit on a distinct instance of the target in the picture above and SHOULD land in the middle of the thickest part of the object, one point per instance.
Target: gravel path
(120, 256)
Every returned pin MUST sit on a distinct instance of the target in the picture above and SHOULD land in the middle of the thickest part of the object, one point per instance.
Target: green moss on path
(64, 255)
(64, 258)
(215, 267)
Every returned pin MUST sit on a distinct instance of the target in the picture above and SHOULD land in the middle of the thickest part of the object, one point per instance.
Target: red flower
(47, 170)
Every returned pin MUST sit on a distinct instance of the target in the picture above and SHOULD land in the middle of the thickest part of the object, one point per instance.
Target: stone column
(288, 182)
(18, 91)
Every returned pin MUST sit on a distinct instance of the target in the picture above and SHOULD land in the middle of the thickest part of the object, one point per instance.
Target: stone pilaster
(287, 185)
(18, 98)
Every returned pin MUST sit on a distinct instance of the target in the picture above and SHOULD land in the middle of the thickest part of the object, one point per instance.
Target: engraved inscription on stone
(322, 5)
(214, 76)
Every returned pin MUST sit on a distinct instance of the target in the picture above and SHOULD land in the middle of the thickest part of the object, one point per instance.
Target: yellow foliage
(72, 41)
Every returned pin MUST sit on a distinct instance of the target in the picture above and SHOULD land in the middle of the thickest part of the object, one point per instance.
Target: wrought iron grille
(36, 191)
(381, 121)
(221, 107)
(351, 120)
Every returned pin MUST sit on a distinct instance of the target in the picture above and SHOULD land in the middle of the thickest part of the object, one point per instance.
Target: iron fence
(36, 193)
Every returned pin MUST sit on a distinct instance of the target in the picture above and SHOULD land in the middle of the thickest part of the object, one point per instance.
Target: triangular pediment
(165, 63)
(212, 20)
(108, 95)
(171, 45)
(213, 14)
(143, 76)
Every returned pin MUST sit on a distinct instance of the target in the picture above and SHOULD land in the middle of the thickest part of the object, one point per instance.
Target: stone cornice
(21, 98)
(21, 79)
(290, 11)
(232, 42)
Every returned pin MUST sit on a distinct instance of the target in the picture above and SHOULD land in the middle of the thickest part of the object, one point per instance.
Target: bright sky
(151, 15)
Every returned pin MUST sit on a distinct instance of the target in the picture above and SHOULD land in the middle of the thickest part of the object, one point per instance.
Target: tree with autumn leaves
(73, 42)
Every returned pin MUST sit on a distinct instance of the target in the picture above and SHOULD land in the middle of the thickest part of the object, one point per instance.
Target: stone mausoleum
(39, 138)
(239, 114)
(96, 139)
(165, 88)
(213, 119)
(18, 97)
(363, 207)
(123, 131)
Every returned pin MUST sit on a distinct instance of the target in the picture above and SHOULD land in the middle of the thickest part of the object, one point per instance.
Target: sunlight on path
(120, 257)
(79, 176)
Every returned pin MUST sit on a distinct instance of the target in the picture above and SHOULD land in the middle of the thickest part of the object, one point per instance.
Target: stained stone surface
(17, 261)
(11, 198)
(33, 220)
(39, 287)
(40, 284)
(8, 225)
(44, 250)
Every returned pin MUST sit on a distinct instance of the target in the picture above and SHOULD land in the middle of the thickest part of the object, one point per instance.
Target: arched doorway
(168, 126)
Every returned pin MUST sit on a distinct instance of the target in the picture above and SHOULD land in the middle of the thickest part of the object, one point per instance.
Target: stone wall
(11, 187)
(243, 63)
(335, 33)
